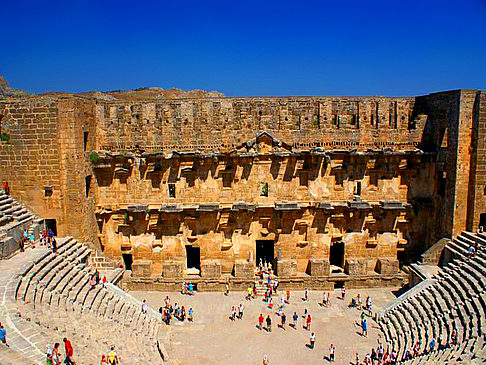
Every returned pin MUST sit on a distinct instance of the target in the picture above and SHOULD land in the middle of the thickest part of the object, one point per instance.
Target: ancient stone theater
(331, 191)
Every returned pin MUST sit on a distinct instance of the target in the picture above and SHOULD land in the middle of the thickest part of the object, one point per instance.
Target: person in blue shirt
(3, 335)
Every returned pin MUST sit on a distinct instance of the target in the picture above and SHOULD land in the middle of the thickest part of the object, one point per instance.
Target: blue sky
(246, 47)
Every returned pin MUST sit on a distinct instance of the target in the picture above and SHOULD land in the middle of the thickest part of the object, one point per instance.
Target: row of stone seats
(55, 293)
(11, 210)
(455, 299)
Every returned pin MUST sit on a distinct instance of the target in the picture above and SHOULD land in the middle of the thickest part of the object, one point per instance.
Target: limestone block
(286, 267)
(210, 269)
(319, 267)
(142, 268)
(244, 269)
(172, 269)
(356, 267)
(387, 266)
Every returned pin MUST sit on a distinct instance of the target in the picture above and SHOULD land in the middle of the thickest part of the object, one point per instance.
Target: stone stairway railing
(455, 298)
(54, 292)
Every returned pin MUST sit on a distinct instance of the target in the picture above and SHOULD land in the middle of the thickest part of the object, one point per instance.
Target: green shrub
(94, 157)
(5, 137)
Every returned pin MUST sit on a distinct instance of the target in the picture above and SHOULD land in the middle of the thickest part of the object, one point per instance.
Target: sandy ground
(214, 339)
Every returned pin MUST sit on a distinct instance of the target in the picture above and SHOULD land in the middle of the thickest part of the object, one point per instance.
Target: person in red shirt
(6, 189)
(260, 322)
(308, 321)
(69, 352)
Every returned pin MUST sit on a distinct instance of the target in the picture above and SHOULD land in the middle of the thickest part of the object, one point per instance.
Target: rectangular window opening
(172, 191)
(85, 141)
(87, 180)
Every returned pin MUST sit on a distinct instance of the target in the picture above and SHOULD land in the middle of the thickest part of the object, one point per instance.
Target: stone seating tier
(55, 293)
(454, 299)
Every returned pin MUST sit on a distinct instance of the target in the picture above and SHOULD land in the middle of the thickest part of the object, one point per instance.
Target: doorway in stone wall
(127, 261)
(482, 221)
(336, 258)
(193, 255)
(52, 225)
(265, 251)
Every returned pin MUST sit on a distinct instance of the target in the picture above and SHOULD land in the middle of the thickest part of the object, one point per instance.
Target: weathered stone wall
(452, 130)
(30, 159)
(205, 124)
(477, 178)
(45, 152)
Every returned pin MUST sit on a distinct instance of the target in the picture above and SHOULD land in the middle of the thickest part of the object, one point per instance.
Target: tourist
(364, 328)
(295, 317)
(282, 300)
(332, 351)
(374, 356)
(50, 234)
(343, 292)
(103, 360)
(190, 314)
(240, 311)
(226, 290)
(92, 281)
(416, 349)
(324, 298)
(386, 357)
(308, 323)
(328, 303)
(6, 188)
(112, 357)
(357, 360)
(56, 357)
(265, 360)
(49, 355)
(21, 245)
(269, 323)
(260, 322)
(69, 352)
(304, 315)
(233, 313)
(470, 251)
(358, 301)
(312, 340)
(191, 289)
(54, 245)
(381, 351)
(104, 281)
(183, 288)
(248, 293)
(431, 345)
(144, 307)
(3, 335)
(167, 301)
(283, 319)
(288, 295)
(97, 276)
(306, 294)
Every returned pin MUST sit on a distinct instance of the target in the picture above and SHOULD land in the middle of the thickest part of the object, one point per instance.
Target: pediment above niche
(264, 143)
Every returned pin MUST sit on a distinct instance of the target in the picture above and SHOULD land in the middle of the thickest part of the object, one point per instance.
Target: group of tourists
(169, 311)
(26, 239)
(237, 312)
(96, 279)
(111, 358)
(53, 354)
(187, 288)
